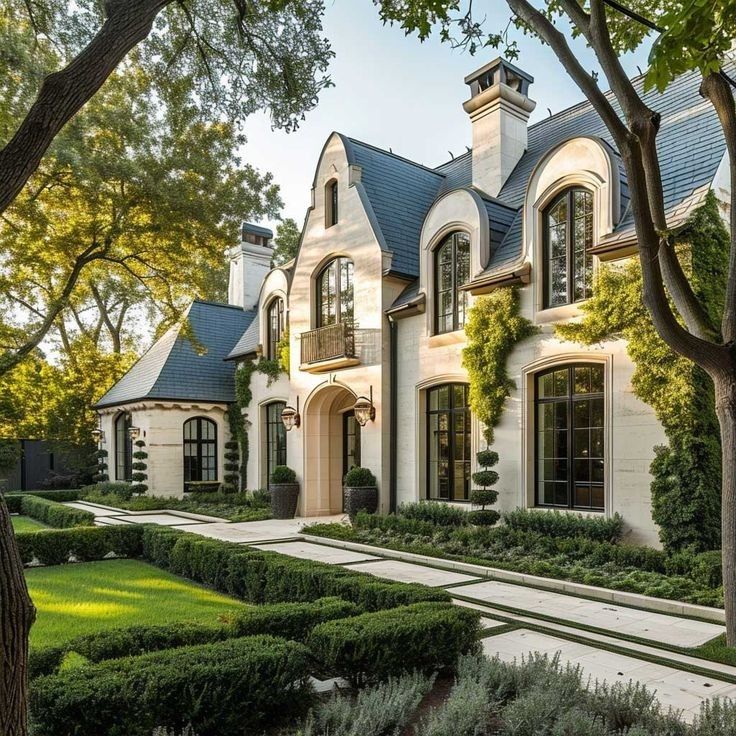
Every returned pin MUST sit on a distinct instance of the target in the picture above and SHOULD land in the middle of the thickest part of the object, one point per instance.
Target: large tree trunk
(725, 388)
(16, 617)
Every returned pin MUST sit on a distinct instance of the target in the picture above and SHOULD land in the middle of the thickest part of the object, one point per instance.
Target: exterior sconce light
(134, 433)
(291, 417)
(364, 409)
(98, 435)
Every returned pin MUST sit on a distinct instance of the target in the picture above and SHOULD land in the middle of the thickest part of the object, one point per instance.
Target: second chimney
(499, 109)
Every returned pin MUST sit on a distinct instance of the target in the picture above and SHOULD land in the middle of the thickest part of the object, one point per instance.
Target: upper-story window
(331, 203)
(335, 300)
(275, 327)
(452, 270)
(568, 238)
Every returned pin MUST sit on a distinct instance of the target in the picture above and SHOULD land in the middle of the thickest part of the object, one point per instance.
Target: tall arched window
(275, 327)
(569, 428)
(335, 299)
(200, 449)
(275, 437)
(568, 238)
(331, 203)
(448, 442)
(123, 448)
(452, 270)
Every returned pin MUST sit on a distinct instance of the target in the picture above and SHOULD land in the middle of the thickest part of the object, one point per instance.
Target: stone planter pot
(360, 499)
(284, 498)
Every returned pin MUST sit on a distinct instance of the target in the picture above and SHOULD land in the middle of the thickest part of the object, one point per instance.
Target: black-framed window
(123, 448)
(275, 326)
(200, 449)
(569, 428)
(568, 238)
(335, 297)
(331, 203)
(452, 270)
(275, 437)
(448, 442)
(350, 441)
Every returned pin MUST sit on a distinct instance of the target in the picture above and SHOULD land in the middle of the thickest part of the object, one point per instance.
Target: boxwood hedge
(52, 513)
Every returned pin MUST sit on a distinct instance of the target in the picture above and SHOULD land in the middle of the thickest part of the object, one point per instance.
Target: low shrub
(115, 489)
(238, 686)
(557, 524)
(283, 474)
(374, 646)
(434, 512)
(484, 517)
(53, 513)
(57, 546)
(359, 478)
(61, 496)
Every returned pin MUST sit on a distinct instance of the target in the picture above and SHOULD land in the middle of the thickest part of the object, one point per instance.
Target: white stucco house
(392, 255)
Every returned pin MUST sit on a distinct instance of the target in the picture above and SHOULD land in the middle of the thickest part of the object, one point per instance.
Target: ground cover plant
(23, 524)
(563, 546)
(72, 600)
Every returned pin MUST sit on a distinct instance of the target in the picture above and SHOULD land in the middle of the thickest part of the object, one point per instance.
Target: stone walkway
(524, 606)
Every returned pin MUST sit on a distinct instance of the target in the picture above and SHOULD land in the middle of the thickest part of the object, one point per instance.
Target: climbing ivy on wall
(686, 473)
(493, 329)
(243, 396)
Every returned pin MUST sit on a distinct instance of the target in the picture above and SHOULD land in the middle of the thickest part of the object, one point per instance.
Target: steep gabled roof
(188, 361)
(248, 342)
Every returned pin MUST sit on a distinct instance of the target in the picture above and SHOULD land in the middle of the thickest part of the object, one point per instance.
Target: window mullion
(570, 437)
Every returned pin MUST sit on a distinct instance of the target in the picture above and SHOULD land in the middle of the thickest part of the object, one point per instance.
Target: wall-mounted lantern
(98, 435)
(134, 433)
(364, 409)
(291, 417)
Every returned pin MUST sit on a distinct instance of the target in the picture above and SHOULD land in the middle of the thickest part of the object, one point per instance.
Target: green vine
(239, 425)
(686, 474)
(494, 328)
(283, 350)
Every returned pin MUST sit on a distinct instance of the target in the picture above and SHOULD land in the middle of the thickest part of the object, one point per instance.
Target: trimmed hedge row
(286, 620)
(53, 513)
(57, 546)
(13, 498)
(268, 577)
(556, 524)
(237, 686)
(375, 646)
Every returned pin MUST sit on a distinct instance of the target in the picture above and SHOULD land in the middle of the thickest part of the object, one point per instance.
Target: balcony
(328, 348)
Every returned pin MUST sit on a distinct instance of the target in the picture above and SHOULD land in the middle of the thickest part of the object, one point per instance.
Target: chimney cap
(499, 71)
(264, 232)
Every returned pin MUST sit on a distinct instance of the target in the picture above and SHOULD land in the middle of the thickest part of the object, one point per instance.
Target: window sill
(562, 313)
(447, 338)
(567, 509)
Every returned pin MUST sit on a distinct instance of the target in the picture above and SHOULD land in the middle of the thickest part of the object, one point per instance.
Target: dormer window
(452, 270)
(568, 238)
(275, 327)
(331, 203)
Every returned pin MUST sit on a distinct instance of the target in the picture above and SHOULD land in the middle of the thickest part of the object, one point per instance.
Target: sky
(397, 93)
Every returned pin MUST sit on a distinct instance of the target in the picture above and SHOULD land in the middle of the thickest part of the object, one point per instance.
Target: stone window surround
(527, 491)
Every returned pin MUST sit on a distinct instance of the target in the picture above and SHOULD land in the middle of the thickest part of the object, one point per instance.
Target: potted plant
(485, 496)
(284, 491)
(359, 492)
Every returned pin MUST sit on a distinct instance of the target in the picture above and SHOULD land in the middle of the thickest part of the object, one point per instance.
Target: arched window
(569, 432)
(331, 203)
(275, 437)
(200, 449)
(123, 448)
(452, 270)
(568, 238)
(335, 293)
(448, 442)
(275, 327)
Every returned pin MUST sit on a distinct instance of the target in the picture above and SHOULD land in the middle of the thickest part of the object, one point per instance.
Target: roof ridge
(220, 304)
(396, 156)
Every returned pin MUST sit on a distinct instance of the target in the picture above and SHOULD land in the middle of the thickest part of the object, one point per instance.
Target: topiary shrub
(485, 496)
(560, 525)
(139, 477)
(359, 492)
(54, 514)
(232, 467)
(283, 474)
(359, 478)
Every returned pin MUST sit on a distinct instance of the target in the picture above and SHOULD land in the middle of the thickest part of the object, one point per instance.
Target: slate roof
(248, 342)
(178, 367)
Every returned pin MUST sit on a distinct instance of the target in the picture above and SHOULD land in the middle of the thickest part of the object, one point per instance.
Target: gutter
(393, 425)
(408, 309)
(518, 275)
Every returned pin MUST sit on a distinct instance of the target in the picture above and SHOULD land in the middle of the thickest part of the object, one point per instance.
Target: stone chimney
(250, 261)
(499, 109)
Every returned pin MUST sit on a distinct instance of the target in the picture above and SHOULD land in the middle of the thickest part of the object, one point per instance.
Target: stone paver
(163, 519)
(252, 532)
(656, 627)
(406, 572)
(95, 509)
(110, 521)
(675, 688)
(317, 552)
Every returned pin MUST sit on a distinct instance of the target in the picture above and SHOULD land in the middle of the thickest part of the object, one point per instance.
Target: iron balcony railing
(328, 343)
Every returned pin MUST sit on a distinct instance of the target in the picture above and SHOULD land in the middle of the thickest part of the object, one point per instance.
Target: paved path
(524, 605)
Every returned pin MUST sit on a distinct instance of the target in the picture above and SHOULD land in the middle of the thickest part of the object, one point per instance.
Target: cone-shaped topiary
(485, 496)
(139, 477)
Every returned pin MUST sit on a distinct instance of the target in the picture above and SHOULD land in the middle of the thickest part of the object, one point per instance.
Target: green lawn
(91, 596)
(26, 524)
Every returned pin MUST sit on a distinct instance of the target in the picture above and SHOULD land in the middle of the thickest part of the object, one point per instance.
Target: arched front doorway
(330, 443)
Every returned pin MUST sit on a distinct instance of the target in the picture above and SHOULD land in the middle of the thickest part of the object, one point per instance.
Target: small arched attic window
(452, 270)
(331, 203)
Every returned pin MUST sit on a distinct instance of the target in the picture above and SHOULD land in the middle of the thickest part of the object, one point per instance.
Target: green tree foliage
(286, 241)
(686, 474)
(493, 329)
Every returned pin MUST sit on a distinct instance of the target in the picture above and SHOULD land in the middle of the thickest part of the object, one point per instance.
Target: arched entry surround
(323, 449)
